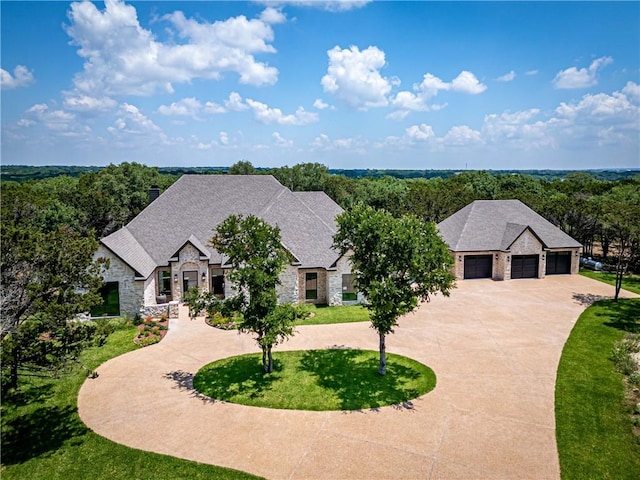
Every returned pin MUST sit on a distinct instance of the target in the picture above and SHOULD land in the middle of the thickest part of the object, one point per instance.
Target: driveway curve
(494, 346)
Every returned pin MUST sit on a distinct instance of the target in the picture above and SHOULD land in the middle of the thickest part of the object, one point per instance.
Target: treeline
(97, 203)
(20, 173)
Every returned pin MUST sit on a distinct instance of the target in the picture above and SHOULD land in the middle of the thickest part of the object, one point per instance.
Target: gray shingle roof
(488, 225)
(193, 206)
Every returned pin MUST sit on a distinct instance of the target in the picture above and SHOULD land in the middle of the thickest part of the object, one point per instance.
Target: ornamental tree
(254, 249)
(397, 262)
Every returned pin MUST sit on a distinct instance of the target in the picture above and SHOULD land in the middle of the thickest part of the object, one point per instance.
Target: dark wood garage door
(558, 263)
(477, 266)
(524, 266)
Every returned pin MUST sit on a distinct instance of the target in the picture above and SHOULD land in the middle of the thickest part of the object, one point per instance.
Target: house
(164, 250)
(505, 239)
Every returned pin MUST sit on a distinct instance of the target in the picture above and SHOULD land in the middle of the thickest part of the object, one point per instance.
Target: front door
(189, 280)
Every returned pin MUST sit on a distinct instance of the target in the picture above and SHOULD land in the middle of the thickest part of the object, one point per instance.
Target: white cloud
(188, 107)
(323, 142)
(405, 101)
(132, 121)
(329, 5)
(319, 104)
(420, 132)
(461, 135)
(632, 89)
(507, 77)
(467, 82)
(213, 107)
(601, 108)
(87, 103)
(531, 72)
(353, 76)
(122, 57)
(280, 141)
(21, 78)
(57, 120)
(264, 114)
(581, 78)
(224, 138)
(234, 103)
(272, 16)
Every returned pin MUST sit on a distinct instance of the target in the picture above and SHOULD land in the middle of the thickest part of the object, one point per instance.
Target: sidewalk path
(494, 347)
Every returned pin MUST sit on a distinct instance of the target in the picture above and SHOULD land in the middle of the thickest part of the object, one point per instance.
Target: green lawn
(44, 438)
(593, 429)
(323, 314)
(629, 282)
(334, 379)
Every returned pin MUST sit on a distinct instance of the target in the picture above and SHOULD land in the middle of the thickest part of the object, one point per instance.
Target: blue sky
(416, 85)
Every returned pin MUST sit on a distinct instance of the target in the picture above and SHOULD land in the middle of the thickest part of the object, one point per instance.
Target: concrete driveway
(494, 347)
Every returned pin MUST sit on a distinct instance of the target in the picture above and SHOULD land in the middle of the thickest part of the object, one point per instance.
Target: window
(164, 282)
(311, 286)
(217, 282)
(349, 293)
(111, 301)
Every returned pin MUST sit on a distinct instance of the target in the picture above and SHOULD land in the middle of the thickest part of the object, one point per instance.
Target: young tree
(254, 249)
(397, 262)
(49, 273)
(620, 216)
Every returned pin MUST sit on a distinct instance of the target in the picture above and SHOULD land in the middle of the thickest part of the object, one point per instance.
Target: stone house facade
(505, 240)
(164, 251)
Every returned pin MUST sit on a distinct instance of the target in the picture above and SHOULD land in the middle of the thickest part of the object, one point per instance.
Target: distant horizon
(350, 84)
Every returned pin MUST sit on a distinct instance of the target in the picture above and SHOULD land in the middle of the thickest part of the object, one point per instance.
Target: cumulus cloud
(280, 141)
(581, 78)
(132, 121)
(507, 77)
(87, 103)
(58, 120)
(461, 135)
(319, 104)
(601, 108)
(122, 57)
(353, 76)
(420, 132)
(188, 107)
(272, 16)
(323, 142)
(419, 99)
(632, 90)
(21, 77)
(264, 114)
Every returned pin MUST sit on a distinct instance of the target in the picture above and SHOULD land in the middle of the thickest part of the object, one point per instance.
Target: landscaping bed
(151, 331)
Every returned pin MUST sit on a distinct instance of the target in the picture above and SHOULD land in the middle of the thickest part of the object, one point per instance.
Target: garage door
(558, 263)
(524, 266)
(477, 266)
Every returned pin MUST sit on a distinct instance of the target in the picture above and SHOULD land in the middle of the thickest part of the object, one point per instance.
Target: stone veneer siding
(130, 290)
(527, 244)
(321, 286)
(288, 290)
(189, 260)
(334, 283)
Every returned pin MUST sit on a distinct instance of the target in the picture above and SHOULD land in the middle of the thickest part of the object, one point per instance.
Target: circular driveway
(494, 347)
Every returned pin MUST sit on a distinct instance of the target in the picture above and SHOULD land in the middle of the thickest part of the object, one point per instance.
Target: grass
(629, 282)
(44, 438)
(335, 379)
(593, 428)
(323, 314)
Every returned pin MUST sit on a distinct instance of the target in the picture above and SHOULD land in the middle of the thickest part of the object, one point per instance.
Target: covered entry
(524, 266)
(558, 263)
(478, 266)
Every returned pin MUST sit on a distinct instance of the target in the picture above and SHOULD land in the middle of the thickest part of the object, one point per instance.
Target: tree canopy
(255, 251)
(397, 262)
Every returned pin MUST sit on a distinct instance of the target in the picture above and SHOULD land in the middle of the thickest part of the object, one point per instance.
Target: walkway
(494, 346)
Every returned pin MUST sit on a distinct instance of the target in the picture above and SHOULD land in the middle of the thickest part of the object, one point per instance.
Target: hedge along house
(165, 250)
(505, 239)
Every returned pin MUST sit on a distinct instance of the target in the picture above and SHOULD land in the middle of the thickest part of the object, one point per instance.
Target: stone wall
(288, 290)
(527, 244)
(334, 283)
(131, 291)
(189, 259)
(169, 309)
(498, 265)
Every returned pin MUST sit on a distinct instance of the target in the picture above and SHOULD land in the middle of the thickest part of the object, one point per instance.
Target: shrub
(137, 320)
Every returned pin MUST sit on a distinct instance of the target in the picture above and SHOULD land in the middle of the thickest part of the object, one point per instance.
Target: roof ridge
(299, 199)
(466, 222)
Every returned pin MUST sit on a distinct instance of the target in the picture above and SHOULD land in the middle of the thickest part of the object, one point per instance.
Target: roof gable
(191, 209)
(493, 225)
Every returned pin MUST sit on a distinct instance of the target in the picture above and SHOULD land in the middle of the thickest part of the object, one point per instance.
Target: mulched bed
(151, 331)
(221, 323)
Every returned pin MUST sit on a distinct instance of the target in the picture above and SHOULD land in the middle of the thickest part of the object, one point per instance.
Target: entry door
(189, 280)
(524, 266)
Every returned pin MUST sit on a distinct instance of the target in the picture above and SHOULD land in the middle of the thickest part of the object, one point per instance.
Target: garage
(558, 263)
(477, 266)
(524, 266)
